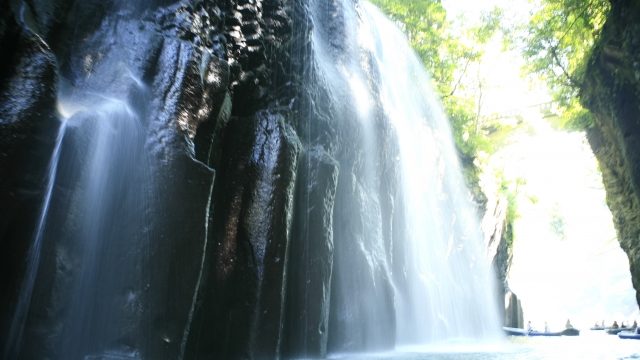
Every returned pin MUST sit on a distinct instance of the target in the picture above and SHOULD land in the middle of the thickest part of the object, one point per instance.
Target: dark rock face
(186, 267)
(177, 67)
(251, 233)
(612, 92)
(514, 316)
(28, 128)
(311, 255)
(182, 266)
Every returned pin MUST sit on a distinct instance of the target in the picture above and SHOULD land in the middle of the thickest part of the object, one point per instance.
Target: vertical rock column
(311, 258)
(514, 316)
(193, 93)
(242, 315)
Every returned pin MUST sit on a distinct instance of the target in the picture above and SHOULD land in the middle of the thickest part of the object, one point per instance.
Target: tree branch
(572, 81)
(455, 87)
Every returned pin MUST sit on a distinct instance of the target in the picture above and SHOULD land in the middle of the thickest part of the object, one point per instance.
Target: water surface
(591, 345)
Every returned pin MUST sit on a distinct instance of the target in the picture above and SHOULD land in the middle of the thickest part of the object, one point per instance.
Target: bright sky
(585, 275)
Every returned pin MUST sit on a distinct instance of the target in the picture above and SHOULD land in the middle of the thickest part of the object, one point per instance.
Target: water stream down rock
(236, 179)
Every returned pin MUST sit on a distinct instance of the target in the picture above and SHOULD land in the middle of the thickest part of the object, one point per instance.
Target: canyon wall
(612, 92)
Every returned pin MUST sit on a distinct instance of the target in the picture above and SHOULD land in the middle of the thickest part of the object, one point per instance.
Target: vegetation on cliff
(557, 44)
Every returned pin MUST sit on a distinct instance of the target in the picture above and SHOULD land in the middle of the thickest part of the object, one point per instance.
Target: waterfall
(94, 205)
(14, 338)
(449, 291)
(105, 213)
(410, 266)
(365, 240)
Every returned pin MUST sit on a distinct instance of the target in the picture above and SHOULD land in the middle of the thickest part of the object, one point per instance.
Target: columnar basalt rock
(254, 207)
(311, 257)
(612, 92)
(178, 67)
(240, 267)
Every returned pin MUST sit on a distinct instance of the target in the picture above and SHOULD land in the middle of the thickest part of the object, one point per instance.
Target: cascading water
(107, 209)
(128, 266)
(421, 277)
(95, 204)
(450, 285)
(14, 338)
(449, 289)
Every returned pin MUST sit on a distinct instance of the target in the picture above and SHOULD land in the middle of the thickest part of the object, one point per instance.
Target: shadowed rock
(311, 257)
(612, 92)
(28, 129)
(242, 313)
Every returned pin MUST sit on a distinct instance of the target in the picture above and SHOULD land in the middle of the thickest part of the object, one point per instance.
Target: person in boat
(546, 327)
(568, 325)
(635, 325)
(529, 327)
(615, 325)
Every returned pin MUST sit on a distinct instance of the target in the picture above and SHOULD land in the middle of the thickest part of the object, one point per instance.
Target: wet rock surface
(164, 64)
(239, 267)
(245, 195)
(28, 129)
(612, 92)
(244, 298)
(311, 256)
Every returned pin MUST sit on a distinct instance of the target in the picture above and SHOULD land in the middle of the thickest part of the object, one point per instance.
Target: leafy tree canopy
(557, 43)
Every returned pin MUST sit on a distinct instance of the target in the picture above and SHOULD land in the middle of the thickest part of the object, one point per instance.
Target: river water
(591, 345)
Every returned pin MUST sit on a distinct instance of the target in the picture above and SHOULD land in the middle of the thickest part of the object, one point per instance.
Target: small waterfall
(14, 338)
(410, 266)
(106, 213)
(93, 219)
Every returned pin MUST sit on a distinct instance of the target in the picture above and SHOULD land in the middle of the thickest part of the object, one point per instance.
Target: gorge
(242, 179)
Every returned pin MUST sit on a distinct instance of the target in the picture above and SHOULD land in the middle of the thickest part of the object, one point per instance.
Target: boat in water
(617, 331)
(629, 334)
(523, 332)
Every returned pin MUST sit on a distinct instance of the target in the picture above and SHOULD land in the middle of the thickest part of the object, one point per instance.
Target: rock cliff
(612, 92)
(249, 193)
(212, 84)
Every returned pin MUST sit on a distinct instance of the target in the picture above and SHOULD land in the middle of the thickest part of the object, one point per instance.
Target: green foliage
(494, 134)
(491, 23)
(461, 117)
(571, 117)
(557, 44)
